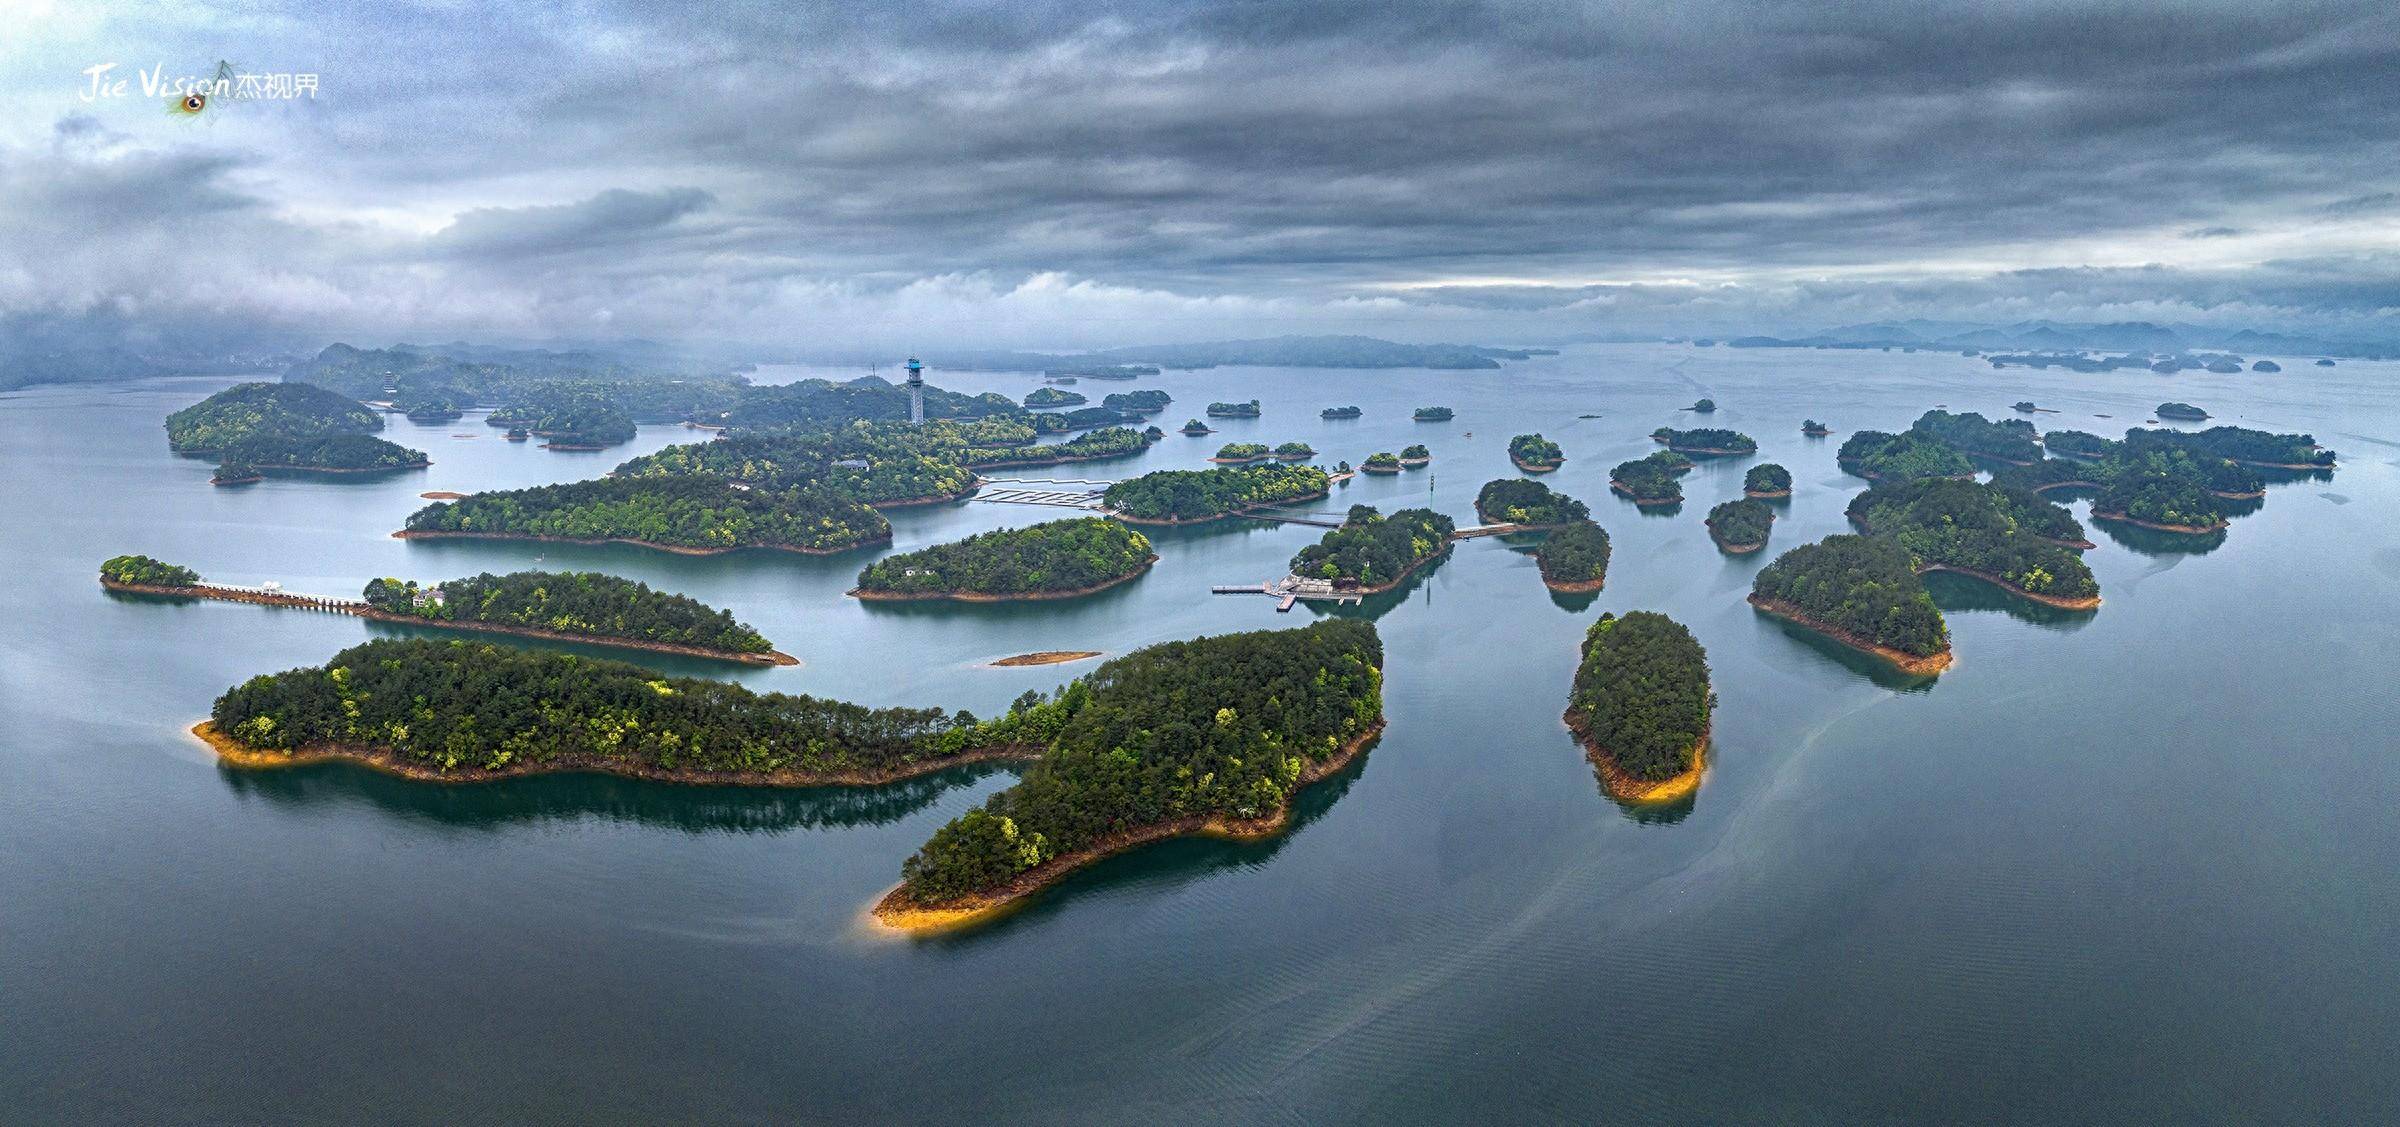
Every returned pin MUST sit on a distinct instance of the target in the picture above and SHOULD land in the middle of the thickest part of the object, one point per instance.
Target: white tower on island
(916, 393)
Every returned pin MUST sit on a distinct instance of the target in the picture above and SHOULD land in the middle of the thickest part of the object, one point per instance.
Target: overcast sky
(865, 175)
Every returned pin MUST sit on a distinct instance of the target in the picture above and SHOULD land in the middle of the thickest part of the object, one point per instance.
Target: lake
(2137, 864)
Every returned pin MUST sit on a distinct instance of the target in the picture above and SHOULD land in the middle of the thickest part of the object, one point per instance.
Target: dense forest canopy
(1243, 451)
(1433, 414)
(1056, 557)
(1534, 450)
(2081, 444)
(1350, 412)
(144, 571)
(2010, 440)
(1645, 479)
(1706, 439)
(1641, 694)
(1234, 410)
(1415, 452)
(251, 410)
(1991, 529)
(1517, 500)
(567, 414)
(576, 602)
(1741, 522)
(1056, 397)
(1295, 451)
(2161, 485)
(1138, 402)
(1202, 494)
(1577, 553)
(324, 452)
(815, 404)
(1864, 586)
(1371, 549)
(471, 707)
(1225, 727)
(1875, 455)
(1767, 477)
(2240, 444)
(1381, 461)
(687, 511)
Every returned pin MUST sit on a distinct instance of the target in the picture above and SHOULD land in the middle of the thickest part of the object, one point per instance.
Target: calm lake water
(2140, 864)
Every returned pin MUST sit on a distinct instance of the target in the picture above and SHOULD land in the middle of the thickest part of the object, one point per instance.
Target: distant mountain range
(1286, 352)
(2059, 336)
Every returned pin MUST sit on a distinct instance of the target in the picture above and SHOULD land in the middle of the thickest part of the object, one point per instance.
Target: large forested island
(250, 410)
(1534, 454)
(1574, 559)
(1640, 706)
(1372, 552)
(1058, 560)
(1740, 526)
(1862, 591)
(584, 606)
(1876, 456)
(1706, 440)
(1189, 496)
(1767, 480)
(1213, 735)
(571, 417)
(1647, 481)
(468, 711)
(1517, 500)
(2009, 440)
(330, 453)
(2004, 536)
(690, 514)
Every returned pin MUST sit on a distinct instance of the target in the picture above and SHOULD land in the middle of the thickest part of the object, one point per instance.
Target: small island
(1196, 428)
(457, 711)
(1711, 441)
(1381, 462)
(1646, 481)
(1415, 454)
(1433, 415)
(1210, 736)
(1193, 496)
(1767, 481)
(1876, 455)
(2023, 407)
(1740, 526)
(1534, 454)
(1574, 559)
(1053, 397)
(1640, 706)
(1062, 559)
(1863, 592)
(2184, 411)
(1516, 500)
(146, 575)
(691, 514)
(1340, 413)
(1233, 410)
(1045, 657)
(1372, 553)
(277, 410)
(1137, 402)
(1242, 453)
(1814, 429)
(1704, 406)
(2005, 536)
(2266, 366)
(587, 607)
(1294, 452)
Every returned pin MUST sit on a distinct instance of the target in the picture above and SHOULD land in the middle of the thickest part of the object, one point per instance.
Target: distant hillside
(1286, 352)
(2141, 337)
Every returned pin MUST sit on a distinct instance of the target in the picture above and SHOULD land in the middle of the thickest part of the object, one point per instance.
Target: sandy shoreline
(1537, 467)
(1624, 787)
(1044, 657)
(2090, 602)
(1575, 586)
(2180, 529)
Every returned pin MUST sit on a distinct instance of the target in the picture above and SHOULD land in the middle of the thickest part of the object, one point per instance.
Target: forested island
(1862, 591)
(1534, 454)
(1233, 410)
(1433, 415)
(1209, 736)
(2004, 536)
(692, 514)
(1767, 481)
(2009, 440)
(1640, 706)
(1381, 462)
(1415, 454)
(332, 453)
(1740, 526)
(1706, 440)
(1647, 481)
(1196, 428)
(1371, 552)
(1517, 500)
(1191, 496)
(2180, 411)
(1877, 455)
(1053, 397)
(2076, 443)
(1242, 453)
(266, 410)
(1294, 452)
(1704, 406)
(143, 571)
(1814, 429)
(461, 711)
(583, 606)
(1137, 402)
(815, 404)
(1340, 413)
(1574, 558)
(571, 417)
(1056, 560)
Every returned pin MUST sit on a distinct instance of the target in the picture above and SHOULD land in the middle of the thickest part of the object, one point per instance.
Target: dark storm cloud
(712, 169)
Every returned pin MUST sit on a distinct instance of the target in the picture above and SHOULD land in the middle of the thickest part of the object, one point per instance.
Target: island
(1053, 397)
(1233, 410)
(2023, 406)
(1767, 481)
(1863, 592)
(1045, 657)
(1242, 453)
(323, 454)
(2010, 440)
(1194, 496)
(1196, 428)
(1137, 402)
(1814, 429)
(2077, 444)
(1294, 452)
(584, 606)
(1090, 446)
(251, 410)
(2266, 366)
(1062, 559)
(1415, 454)
(1640, 706)
(2180, 411)
(1516, 500)
(458, 711)
(1574, 558)
(1340, 413)
(2005, 536)
(2159, 489)
(1432, 415)
(1372, 553)
(1534, 454)
(1210, 736)
(1706, 440)
(571, 417)
(1705, 406)
(2243, 445)
(691, 514)
(146, 575)
(1646, 481)
(1381, 462)
(1740, 526)
(1876, 455)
